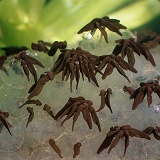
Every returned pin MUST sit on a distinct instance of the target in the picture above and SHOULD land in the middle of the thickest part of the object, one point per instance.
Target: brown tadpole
(109, 69)
(33, 61)
(126, 65)
(37, 87)
(4, 121)
(102, 105)
(120, 70)
(32, 101)
(94, 117)
(55, 147)
(76, 149)
(32, 69)
(25, 69)
(77, 74)
(47, 108)
(107, 99)
(70, 114)
(139, 97)
(88, 116)
(76, 115)
(31, 115)
(72, 75)
(92, 74)
(102, 30)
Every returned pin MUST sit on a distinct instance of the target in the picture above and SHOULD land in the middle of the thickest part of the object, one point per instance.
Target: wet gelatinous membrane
(32, 142)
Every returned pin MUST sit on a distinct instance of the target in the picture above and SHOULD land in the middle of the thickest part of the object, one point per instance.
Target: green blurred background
(26, 21)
